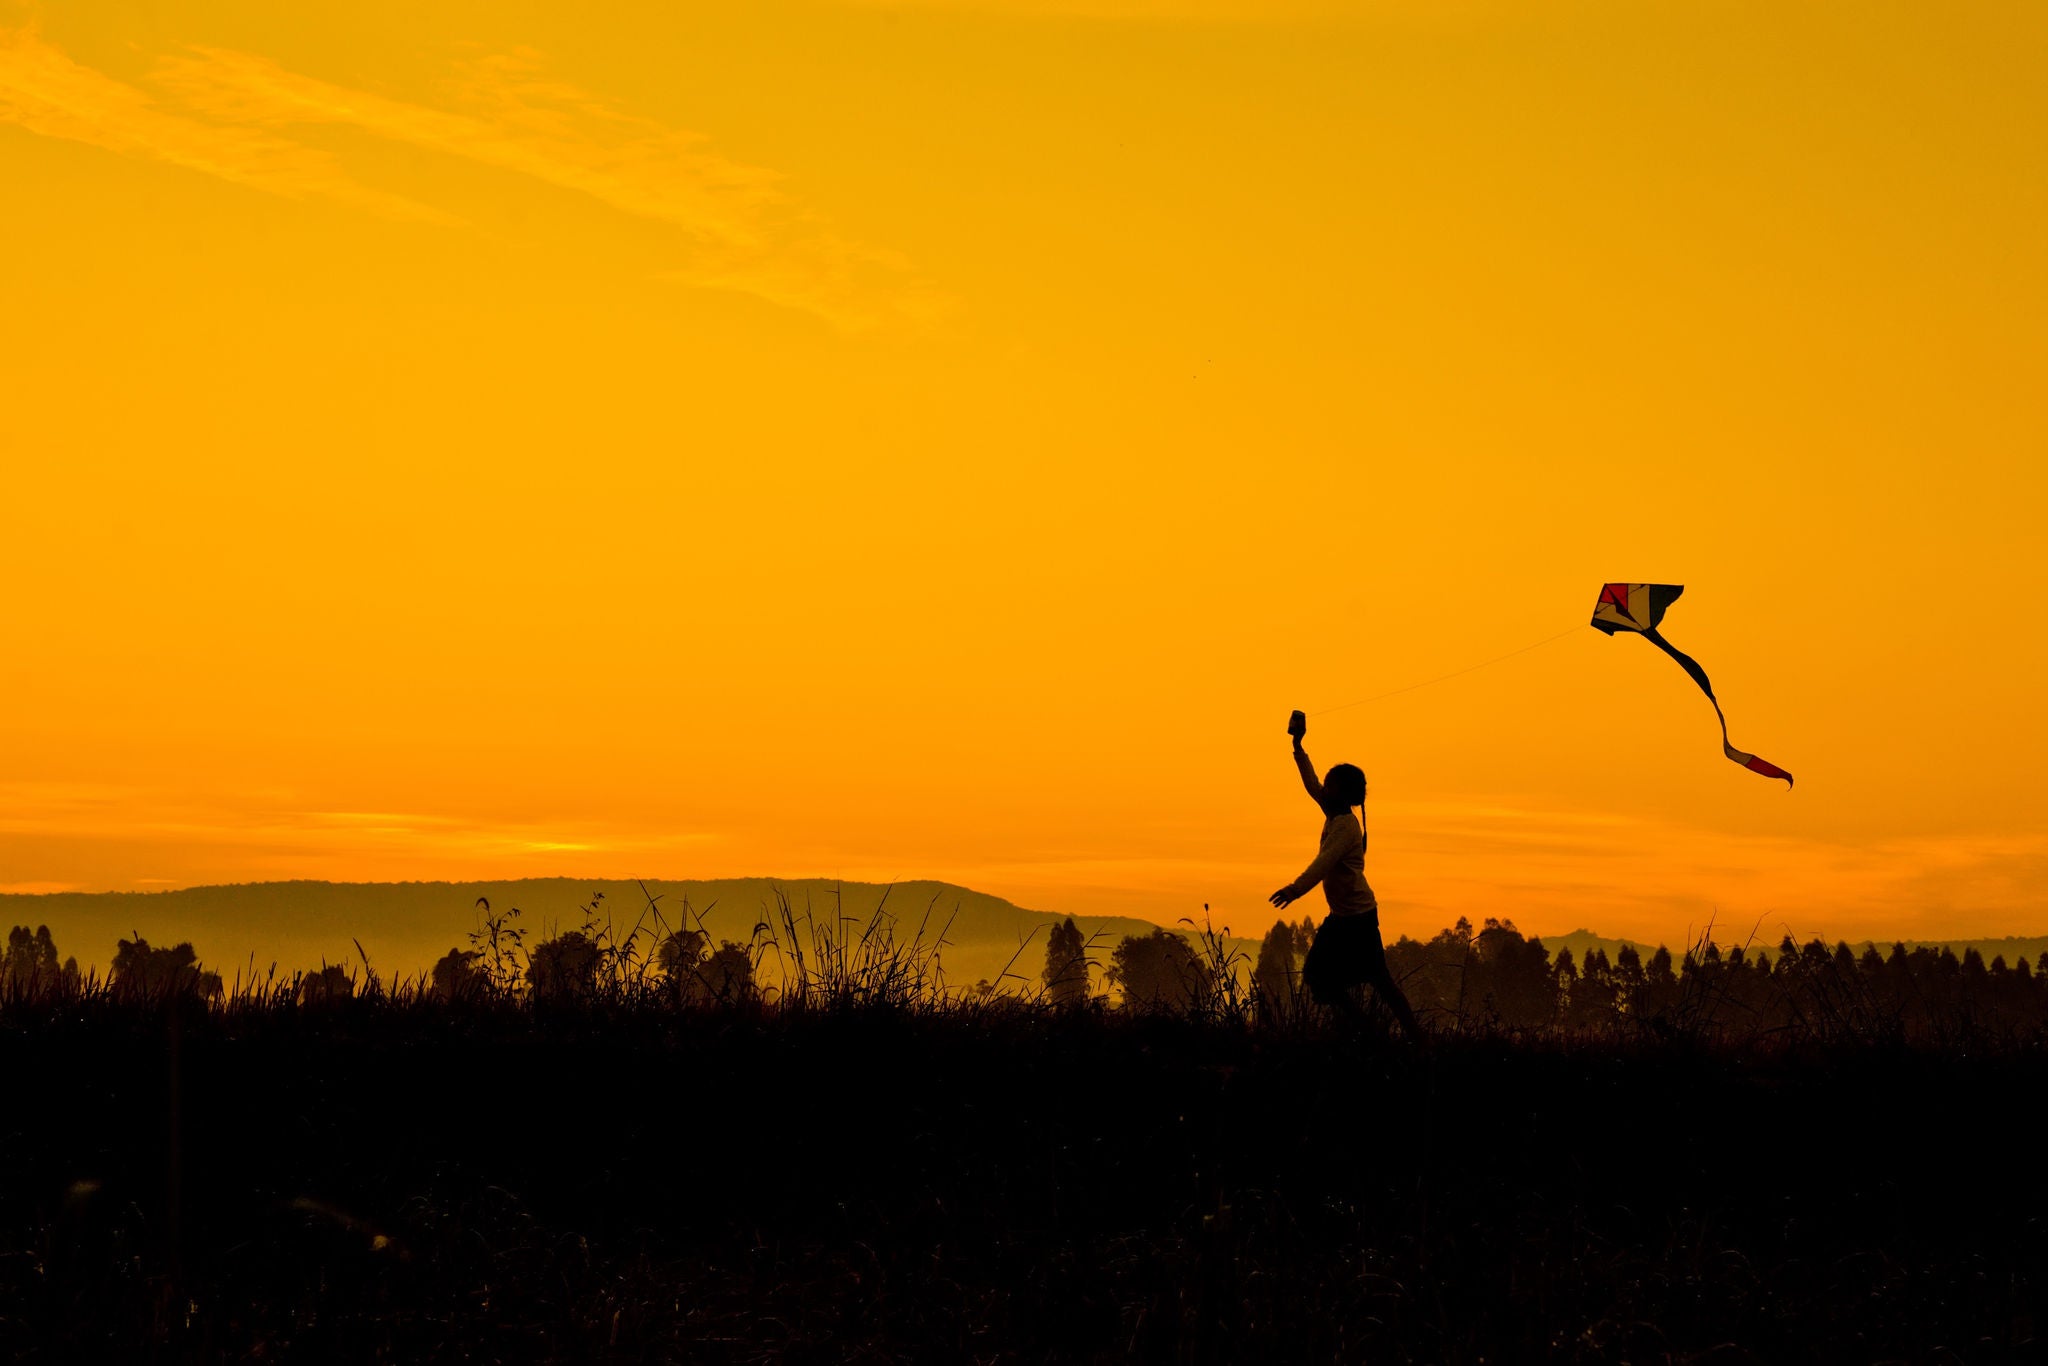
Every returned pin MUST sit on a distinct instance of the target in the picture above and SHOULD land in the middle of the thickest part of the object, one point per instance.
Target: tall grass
(806, 956)
(1219, 983)
(811, 961)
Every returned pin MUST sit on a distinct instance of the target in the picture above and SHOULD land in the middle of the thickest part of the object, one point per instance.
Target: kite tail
(1699, 676)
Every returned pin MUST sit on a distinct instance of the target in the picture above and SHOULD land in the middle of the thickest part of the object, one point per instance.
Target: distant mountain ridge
(402, 927)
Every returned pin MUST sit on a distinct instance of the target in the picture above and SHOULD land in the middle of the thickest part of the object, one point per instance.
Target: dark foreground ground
(415, 1185)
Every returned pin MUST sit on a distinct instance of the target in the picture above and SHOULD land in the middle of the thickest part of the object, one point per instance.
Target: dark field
(371, 1180)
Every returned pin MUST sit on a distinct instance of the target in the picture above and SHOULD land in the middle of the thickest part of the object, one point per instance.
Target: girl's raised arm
(1297, 726)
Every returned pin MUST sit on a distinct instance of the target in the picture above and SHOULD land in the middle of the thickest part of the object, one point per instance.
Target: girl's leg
(1381, 979)
(1397, 1000)
(1330, 975)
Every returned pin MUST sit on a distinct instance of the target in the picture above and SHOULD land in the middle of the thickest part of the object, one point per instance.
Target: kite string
(1456, 673)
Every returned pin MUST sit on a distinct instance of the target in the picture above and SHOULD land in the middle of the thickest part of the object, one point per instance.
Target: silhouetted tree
(28, 965)
(1593, 1002)
(1564, 975)
(457, 976)
(1155, 972)
(680, 960)
(728, 975)
(1066, 965)
(564, 968)
(1628, 979)
(2029, 1003)
(1508, 977)
(682, 951)
(142, 972)
(1277, 974)
(1660, 985)
(329, 986)
(1436, 976)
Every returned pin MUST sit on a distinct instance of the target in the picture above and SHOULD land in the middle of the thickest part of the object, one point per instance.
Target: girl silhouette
(1347, 952)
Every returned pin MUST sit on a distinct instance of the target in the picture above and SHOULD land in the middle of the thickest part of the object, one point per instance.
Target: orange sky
(943, 439)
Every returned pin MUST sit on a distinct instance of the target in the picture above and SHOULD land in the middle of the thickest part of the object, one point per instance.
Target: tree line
(1489, 977)
(569, 967)
(1496, 977)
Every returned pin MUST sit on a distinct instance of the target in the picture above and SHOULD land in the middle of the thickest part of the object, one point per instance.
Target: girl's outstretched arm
(1309, 779)
(1326, 859)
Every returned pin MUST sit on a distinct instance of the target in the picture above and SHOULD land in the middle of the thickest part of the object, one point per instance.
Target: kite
(1639, 607)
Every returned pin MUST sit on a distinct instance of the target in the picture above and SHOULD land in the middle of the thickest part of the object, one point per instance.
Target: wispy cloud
(1556, 870)
(1561, 870)
(58, 836)
(46, 92)
(526, 124)
(243, 118)
(1179, 10)
(1405, 12)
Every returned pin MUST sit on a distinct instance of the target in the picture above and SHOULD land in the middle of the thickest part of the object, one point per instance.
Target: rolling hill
(403, 927)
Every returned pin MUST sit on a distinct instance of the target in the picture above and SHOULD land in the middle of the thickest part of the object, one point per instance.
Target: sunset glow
(943, 440)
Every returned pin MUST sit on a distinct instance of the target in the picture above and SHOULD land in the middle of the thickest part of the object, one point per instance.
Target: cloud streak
(1406, 13)
(243, 118)
(1563, 870)
(538, 128)
(57, 837)
(1555, 871)
(45, 92)
(1183, 11)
